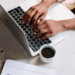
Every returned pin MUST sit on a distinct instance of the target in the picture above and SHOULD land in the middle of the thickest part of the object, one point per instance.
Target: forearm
(49, 2)
(69, 24)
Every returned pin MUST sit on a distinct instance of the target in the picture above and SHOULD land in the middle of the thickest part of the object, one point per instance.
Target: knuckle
(41, 31)
(41, 38)
(34, 22)
(38, 27)
(41, 18)
(26, 13)
(30, 16)
(34, 18)
(34, 30)
(30, 8)
(37, 24)
(46, 21)
(52, 32)
(38, 11)
(45, 36)
(38, 34)
(33, 8)
(23, 15)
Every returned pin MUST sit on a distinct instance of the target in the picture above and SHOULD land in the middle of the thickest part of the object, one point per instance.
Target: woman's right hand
(49, 28)
(36, 13)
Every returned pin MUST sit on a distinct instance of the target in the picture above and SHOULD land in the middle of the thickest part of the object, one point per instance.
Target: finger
(30, 16)
(26, 15)
(40, 27)
(21, 17)
(26, 12)
(42, 17)
(45, 36)
(35, 19)
(41, 23)
(41, 32)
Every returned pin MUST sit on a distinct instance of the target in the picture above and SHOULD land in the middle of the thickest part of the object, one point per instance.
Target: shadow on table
(73, 10)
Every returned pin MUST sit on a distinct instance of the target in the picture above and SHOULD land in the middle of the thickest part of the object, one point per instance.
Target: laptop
(12, 19)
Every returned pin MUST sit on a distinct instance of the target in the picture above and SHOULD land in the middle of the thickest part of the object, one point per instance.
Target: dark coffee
(47, 52)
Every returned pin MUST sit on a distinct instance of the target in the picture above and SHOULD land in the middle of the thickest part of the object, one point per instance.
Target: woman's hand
(49, 28)
(36, 13)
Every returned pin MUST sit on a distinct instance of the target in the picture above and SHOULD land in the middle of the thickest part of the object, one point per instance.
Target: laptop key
(17, 10)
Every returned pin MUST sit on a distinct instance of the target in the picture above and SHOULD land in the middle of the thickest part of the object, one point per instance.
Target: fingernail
(38, 20)
(39, 39)
(22, 18)
(35, 36)
(32, 31)
(27, 24)
(23, 22)
(31, 27)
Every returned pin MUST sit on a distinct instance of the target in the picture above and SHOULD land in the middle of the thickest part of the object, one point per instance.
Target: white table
(63, 63)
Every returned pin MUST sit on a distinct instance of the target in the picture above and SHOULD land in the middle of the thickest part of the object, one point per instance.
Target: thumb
(41, 18)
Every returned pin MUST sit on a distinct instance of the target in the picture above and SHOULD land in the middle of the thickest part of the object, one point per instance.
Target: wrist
(64, 25)
(69, 24)
(48, 2)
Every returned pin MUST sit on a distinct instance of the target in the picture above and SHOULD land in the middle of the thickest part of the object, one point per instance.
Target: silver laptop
(12, 19)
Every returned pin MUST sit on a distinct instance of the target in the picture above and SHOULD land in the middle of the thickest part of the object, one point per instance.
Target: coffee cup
(47, 53)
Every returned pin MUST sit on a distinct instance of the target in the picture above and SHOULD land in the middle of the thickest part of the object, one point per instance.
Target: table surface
(63, 63)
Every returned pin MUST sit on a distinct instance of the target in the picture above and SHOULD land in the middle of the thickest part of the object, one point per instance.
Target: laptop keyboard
(35, 45)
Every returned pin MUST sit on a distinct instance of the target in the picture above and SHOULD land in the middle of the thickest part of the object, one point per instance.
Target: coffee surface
(47, 52)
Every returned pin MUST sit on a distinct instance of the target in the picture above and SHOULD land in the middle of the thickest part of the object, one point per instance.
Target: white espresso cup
(47, 53)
